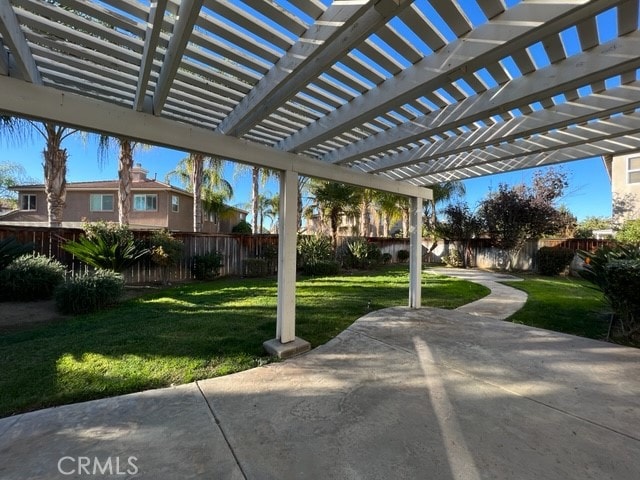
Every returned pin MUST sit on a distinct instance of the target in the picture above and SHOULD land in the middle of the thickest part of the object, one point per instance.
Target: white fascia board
(25, 99)
(511, 31)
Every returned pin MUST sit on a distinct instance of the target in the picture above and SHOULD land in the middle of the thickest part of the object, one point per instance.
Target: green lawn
(191, 332)
(568, 305)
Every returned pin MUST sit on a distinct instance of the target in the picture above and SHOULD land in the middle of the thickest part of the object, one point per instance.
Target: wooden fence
(236, 249)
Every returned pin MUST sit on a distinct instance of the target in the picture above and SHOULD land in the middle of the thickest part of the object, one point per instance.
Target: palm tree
(366, 199)
(334, 200)
(55, 160)
(442, 192)
(389, 206)
(258, 176)
(202, 175)
(126, 148)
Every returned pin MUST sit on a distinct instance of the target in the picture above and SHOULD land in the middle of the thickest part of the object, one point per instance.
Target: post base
(286, 350)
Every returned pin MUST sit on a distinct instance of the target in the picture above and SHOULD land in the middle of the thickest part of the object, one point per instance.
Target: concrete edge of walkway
(500, 304)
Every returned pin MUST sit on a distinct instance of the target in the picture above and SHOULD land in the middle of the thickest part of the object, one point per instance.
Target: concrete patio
(400, 394)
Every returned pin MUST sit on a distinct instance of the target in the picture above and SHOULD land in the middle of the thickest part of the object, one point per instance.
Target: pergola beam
(339, 29)
(14, 38)
(187, 16)
(507, 33)
(574, 72)
(574, 136)
(24, 99)
(151, 39)
(600, 105)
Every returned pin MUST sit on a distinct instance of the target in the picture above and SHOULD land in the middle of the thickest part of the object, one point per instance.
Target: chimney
(138, 174)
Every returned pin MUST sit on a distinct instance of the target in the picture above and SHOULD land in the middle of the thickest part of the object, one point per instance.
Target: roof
(108, 185)
(418, 91)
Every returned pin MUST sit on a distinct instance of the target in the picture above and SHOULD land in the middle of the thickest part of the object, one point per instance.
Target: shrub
(386, 258)
(362, 254)
(256, 267)
(242, 227)
(30, 278)
(106, 245)
(313, 249)
(89, 292)
(403, 255)
(553, 260)
(616, 272)
(10, 249)
(323, 268)
(166, 250)
(206, 267)
(630, 232)
(453, 258)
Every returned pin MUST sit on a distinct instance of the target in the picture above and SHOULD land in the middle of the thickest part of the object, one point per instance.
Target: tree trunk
(385, 226)
(196, 180)
(365, 217)
(405, 222)
(55, 174)
(335, 220)
(125, 162)
(255, 192)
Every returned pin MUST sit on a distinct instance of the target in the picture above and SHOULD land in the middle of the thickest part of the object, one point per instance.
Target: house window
(175, 203)
(28, 202)
(634, 170)
(145, 203)
(101, 203)
(212, 217)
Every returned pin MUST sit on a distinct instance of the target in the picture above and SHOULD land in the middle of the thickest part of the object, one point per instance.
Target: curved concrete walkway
(501, 303)
(401, 394)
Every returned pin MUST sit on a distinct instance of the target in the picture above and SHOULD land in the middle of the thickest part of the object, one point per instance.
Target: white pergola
(393, 95)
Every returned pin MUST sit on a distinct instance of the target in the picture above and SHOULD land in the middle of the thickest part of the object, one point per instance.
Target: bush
(403, 255)
(256, 267)
(242, 227)
(106, 245)
(166, 250)
(30, 278)
(629, 233)
(313, 249)
(453, 258)
(89, 292)
(386, 258)
(616, 272)
(362, 254)
(10, 249)
(206, 267)
(323, 268)
(553, 260)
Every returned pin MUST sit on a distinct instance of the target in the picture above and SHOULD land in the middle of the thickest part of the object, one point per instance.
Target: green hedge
(322, 268)
(90, 292)
(553, 260)
(30, 278)
(206, 267)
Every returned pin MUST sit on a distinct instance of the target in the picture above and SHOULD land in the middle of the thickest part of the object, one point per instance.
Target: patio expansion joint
(447, 366)
(219, 425)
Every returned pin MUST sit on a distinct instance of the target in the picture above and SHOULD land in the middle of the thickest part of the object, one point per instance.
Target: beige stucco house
(624, 172)
(154, 205)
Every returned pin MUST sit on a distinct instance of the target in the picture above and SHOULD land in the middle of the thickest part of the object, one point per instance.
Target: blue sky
(589, 192)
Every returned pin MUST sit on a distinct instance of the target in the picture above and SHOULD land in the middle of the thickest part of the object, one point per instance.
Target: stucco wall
(622, 190)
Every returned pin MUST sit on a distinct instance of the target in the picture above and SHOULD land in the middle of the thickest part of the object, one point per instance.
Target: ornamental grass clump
(89, 292)
(30, 277)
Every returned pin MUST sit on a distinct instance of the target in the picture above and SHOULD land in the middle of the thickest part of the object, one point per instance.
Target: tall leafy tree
(461, 225)
(202, 175)
(513, 214)
(54, 156)
(12, 174)
(334, 200)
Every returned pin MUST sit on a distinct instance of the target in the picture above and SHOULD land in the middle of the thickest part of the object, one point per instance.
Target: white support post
(415, 253)
(286, 344)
